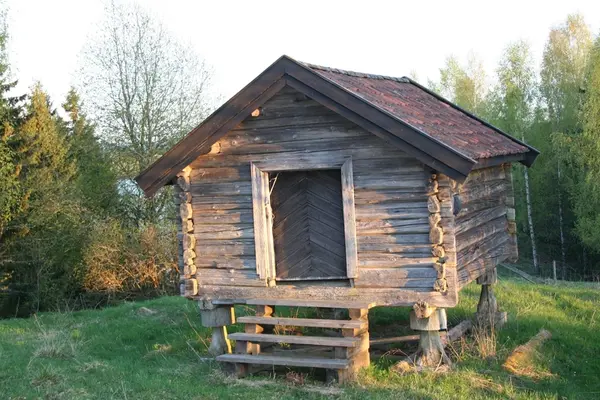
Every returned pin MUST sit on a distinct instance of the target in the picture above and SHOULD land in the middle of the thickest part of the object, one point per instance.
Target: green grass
(124, 353)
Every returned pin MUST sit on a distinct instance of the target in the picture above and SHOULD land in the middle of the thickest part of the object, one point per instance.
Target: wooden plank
(239, 188)
(288, 160)
(260, 202)
(324, 242)
(220, 203)
(414, 225)
(373, 213)
(240, 262)
(306, 322)
(364, 196)
(224, 248)
(485, 191)
(349, 219)
(399, 239)
(293, 339)
(482, 248)
(310, 303)
(235, 216)
(466, 239)
(406, 250)
(293, 295)
(223, 232)
(310, 145)
(201, 176)
(368, 183)
(228, 277)
(328, 363)
(380, 260)
(484, 175)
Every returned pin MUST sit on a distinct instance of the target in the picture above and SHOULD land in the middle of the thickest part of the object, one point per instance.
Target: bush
(130, 261)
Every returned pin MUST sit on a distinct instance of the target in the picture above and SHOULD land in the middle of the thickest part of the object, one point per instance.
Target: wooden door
(308, 225)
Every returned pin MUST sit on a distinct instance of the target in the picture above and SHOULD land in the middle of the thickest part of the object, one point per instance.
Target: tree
(44, 239)
(11, 192)
(146, 91)
(96, 181)
(465, 86)
(512, 103)
(564, 64)
(587, 148)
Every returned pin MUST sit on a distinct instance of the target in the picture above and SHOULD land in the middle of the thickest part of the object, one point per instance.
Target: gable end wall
(390, 189)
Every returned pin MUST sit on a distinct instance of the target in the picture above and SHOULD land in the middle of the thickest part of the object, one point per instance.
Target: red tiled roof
(430, 114)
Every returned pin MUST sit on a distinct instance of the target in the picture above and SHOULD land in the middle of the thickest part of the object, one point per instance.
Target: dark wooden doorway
(308, 225)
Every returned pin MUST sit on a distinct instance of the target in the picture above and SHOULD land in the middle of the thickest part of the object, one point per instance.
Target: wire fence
(556, 270)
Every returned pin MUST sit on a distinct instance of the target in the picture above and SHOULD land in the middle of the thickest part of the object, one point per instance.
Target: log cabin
(319, 187)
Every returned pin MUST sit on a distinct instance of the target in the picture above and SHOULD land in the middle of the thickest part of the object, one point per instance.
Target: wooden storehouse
(319, 187)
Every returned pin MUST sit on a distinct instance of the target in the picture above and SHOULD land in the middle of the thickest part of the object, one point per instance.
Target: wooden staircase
(342, 356)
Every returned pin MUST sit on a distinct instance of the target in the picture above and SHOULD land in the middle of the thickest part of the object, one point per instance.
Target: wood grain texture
(390, 191)
(341, 296)
(308, 225)
(482, 226)
(349, 219)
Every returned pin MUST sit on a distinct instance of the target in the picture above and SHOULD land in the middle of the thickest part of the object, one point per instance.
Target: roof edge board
(274, 73)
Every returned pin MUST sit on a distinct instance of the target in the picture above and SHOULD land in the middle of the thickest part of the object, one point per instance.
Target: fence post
(554, 270)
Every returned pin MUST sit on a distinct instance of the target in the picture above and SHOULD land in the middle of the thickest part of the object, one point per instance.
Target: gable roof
(427, 112)
(398, 110)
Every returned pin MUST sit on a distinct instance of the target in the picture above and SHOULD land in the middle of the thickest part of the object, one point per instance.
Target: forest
(76, 231)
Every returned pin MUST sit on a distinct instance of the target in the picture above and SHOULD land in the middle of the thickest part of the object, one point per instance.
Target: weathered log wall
(485, 225)
(185, 234)
(391, 193)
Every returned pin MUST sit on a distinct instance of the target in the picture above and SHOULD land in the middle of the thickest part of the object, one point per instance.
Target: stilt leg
(487, 315)
(428, 321)
(217, 318)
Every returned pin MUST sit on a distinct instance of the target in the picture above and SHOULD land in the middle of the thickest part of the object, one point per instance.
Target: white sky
(241, 38)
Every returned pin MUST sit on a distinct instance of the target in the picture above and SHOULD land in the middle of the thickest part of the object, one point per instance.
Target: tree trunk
(560, 225)
(432, 350)
(530, 218)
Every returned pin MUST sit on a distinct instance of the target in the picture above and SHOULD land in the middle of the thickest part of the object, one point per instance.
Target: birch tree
(587, 149)
(146, 90)
(564, 64)
(464, 85)
(512, 102)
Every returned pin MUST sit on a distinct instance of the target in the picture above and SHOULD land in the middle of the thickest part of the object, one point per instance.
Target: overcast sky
(240, 39)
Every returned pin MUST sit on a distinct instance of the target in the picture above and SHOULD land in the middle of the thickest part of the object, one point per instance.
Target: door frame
(263, 215)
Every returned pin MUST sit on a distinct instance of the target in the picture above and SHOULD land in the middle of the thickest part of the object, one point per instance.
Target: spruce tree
(95, 182)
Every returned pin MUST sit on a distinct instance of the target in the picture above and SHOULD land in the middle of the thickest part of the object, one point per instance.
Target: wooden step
(309, 322)
(290, 339)
(310, 303)
(327, 363)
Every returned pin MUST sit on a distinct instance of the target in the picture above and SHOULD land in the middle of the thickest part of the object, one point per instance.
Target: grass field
(157, 350)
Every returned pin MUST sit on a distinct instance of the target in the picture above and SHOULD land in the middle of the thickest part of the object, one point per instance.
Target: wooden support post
(217, 317)
(487, 315)
(554, 270)
(358, 356)
(219, 344)
(428, 321)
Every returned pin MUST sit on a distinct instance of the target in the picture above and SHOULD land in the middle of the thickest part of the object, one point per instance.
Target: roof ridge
(357, 74)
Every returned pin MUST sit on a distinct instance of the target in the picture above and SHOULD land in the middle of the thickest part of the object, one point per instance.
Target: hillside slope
(157, 350)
